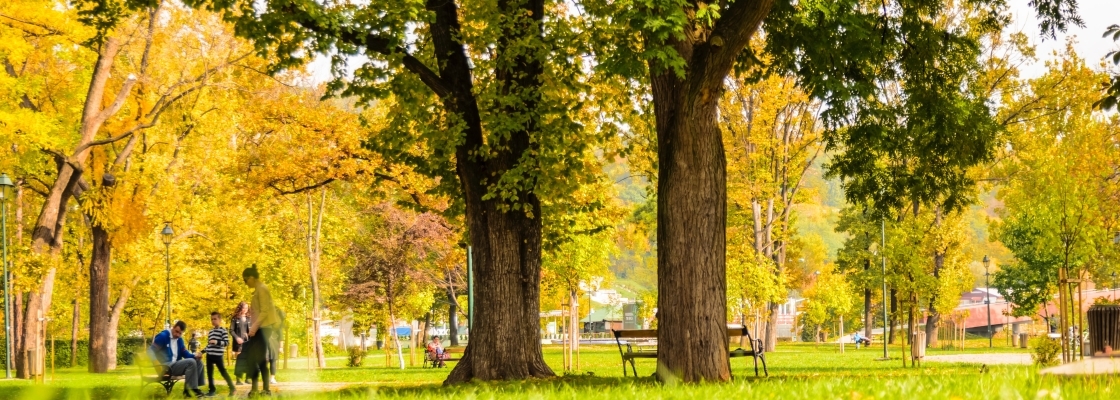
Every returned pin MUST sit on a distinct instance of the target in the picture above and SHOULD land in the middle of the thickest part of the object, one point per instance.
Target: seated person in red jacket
(435, 351)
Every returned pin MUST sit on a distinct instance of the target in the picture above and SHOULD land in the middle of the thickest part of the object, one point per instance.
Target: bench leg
(633, 368)
(764, 371)
(755, 366)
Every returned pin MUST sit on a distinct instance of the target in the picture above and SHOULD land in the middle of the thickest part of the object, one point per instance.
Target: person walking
(239, 329)
(215, 351)
(264, 321)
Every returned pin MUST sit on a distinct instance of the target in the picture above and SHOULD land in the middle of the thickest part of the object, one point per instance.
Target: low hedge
(127, 349)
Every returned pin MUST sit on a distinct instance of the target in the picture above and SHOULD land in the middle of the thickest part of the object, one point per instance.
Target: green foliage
(1111, 98)
(1044, 351)
(905, 110)
(354, 356)
(127, 350)
(1057, 211)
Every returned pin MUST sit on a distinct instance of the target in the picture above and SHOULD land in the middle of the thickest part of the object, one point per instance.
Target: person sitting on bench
(436, 354)
(859, 339)
(169, 350)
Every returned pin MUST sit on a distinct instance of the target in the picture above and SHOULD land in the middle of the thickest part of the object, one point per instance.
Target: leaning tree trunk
(114, 323)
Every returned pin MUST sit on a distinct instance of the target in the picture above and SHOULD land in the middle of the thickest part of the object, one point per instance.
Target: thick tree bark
(452, 318)
(37, 301)
(934, 316)
(691, 233)
(99, 264)
(692, 196)
(506, 243)
(93, 116)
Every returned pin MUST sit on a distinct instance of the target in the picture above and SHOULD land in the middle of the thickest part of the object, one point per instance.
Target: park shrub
(1045, 351)
(355, 356)
(331, 349)
(127, 349)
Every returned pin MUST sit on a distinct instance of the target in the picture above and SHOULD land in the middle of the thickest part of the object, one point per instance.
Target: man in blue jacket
(169, 350)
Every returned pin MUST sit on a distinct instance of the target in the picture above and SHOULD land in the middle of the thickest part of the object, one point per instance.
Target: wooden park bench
(647, 349)
(159, 376)
(456, 354)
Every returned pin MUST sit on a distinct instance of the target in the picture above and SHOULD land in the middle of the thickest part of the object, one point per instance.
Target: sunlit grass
(797, 371)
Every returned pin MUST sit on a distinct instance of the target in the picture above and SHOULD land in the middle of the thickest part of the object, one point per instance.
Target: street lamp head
(987, 262)
(5, 183)
(167, 233)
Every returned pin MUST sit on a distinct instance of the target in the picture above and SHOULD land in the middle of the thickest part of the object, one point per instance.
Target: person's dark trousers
(191, 371)
(217, 361)
(259, 347)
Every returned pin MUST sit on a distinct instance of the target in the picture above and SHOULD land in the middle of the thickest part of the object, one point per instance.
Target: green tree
(499, 83)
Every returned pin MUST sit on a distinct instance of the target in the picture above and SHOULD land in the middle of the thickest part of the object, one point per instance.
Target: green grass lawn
(797, 371)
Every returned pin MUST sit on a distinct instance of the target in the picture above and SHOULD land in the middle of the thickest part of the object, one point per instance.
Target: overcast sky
(1097, 14)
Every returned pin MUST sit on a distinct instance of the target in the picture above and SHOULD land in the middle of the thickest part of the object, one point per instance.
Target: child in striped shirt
(216, 351)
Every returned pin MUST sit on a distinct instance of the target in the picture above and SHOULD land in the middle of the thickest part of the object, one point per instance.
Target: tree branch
(302, 189)
(374, 43)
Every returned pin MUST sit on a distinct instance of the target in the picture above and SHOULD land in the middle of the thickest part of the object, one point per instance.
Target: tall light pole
(166, 234)
(6, 183)
(988, 297)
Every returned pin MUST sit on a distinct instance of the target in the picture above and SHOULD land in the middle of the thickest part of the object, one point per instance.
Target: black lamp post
(166, 234)
(6, 183)
(988, 297)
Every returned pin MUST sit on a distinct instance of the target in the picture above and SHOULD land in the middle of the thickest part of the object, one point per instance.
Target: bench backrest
(652, 333)
(634, 333)
(159, 368)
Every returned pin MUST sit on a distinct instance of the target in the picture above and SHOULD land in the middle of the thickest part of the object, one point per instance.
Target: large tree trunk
(93, 116)
(691, 233)
(506, 242)
(99, 264)
(452, 319)
(507, 288)
(692, 193)
(37, 302)
(47, 233)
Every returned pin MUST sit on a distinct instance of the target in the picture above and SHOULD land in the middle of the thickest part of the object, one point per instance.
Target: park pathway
(988, 359)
